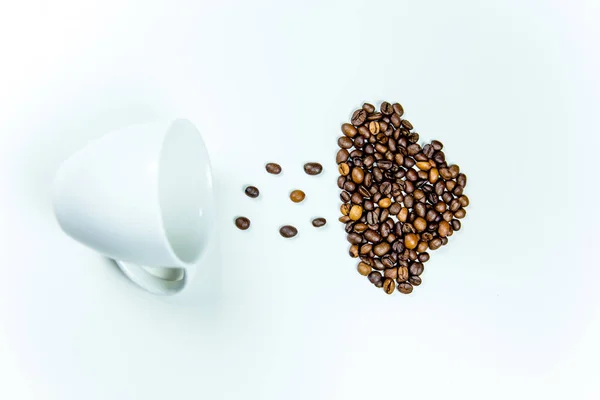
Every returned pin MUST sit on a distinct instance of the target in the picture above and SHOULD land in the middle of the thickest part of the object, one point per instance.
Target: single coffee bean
(398, 109)
(341, 182)
(450, 185)
(405, 288)
(297, 196)
(375, 278)
(454, 171)
(427, 236)
(342, 156)
(319, 222)
(447, 215)
(420, 224)
(416, 268)
(349, 186)
(369, 205)
(447, 198)
(364, 269)
(374, 116)
(385, 202)
(411, 241)
(252, 191)
(354, 238)
(368, 107)
(313, 168)
(288, 231)
(356, 198)
(385, 164)
(402, 274)
(374, 127)
(344, 219)
(391, 273)
(409, 162)
(372, 236)
(407, 124)
(420, 209)
(445, 173)
(359, 117)
(273, 168)
(242, 223)
(359, 141)
(437, 145)
(456, 224)
(412, 175)
(345, 142)
(428, 150)
(345, 209)
(423, 257)
(434, 175)
(403, 214)
(358, 175)
(349, 130)
(396, 120)
(355, 212)
(366, 249)
(455, 205)
(415, 280)
(424, 165)
(378, 264)
(460, 213)
(360, 227)
(444, 241)
(461, 180)
(413, 149)
(344, 169)
(409, 201)
(377, 196)
(458, 191)
(381, 249)
(444, 229)
(439, 157)
(395, 208)
(353, 251)
(389, 286)
(435, 244)
(349, 226)
(413, 137)
(440, 207)
(464, 201)
(387, 261)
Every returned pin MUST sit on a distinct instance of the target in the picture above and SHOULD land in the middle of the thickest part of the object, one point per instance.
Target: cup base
(161, 281)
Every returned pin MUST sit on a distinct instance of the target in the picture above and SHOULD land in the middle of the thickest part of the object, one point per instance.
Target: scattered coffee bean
(389, 285)
(313, 168)
(242, 223)
(297, 196)
(405, 288)
(319, 222)
(273, 168)
(364, 269)
(288, 231)
(252, 191)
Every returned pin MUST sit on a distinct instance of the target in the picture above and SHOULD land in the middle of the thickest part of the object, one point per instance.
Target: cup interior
(184, 185)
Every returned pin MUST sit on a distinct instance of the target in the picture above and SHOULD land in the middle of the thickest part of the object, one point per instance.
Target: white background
(509, 308)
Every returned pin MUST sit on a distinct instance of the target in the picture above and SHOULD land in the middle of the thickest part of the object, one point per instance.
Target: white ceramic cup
(143, 196)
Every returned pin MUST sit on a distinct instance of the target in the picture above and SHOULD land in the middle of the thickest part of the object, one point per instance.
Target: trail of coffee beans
(399, 200)
(297, 196)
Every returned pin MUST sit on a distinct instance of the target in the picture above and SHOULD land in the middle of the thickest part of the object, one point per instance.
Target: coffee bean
(461, 180)
(360, 227)
(454, 171)
(368, 205)
(342, 156)
(344, 169)
(349, 186)
(355, 212)
(297, 196)
(389, 285)
(420, 209)
(374, 127)
(375, 278)
(420, 224)
(366, 248)
(460, 213)
(456, 224)
(354, 238)
(313, 168)
(364, 269)
(464, 201)
(353, 251)
(345, 209)
(391, 273)
(345, 142)
(411, 241)
(409, 162)
(458, 191)
(273, 168)
(378, 264)
(252, 191)
(374, 116)
(349, 130)
(447, 215)
(444, 241)
(372, 236)
(434, 175)
(288, 231)
(402, 274)
(358, 175)
(368, 107)
(415, 280)
(405, 288)
(409, 201)
(242, 223)
(437, 145)
(416, 268)
(385, 202)
(384, 164)
(435, 244)
(381, 249)
(413, 137)
(349, 226)
(411, 175)
(359, 117)
(407, 124)
(403, 214)
(319, 222)
(439, 157)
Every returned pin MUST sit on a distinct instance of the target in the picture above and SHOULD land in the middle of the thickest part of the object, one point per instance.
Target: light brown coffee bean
(389, 286)
(444, 228)
(403, 214)
(349, 130)
(358, 175)
(420, 224)
(411, 241)
(385, 202)
(382, 248)
(344, 169)
(355, 212)
(402, 274)
(297, 196)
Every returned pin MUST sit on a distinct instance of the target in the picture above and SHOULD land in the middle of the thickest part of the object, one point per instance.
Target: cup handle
(152, 283)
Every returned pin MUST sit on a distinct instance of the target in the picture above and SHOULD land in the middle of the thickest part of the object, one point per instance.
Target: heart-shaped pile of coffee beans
(399, 199)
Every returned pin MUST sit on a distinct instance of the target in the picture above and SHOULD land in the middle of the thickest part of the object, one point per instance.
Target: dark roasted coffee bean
(461, 180)
(454, 171)
(375, 278)
(364, 191)
(359, 142)
(288, 231)
(359, 117)
(369, 205)
(273, 168)
(424, 175)
(372, 236)
(345, 196)
(409, 201)
(415, 280)
(391, 272)
(342, 156)
(439, 157)
(447, 197)
(409, 162)
(431, 215)
(380, 148)
(349, 130)
(354, 238)
(369, 149)
(341, 181)
(405, 288)
(369, 161)
(435, 244)
(413, 137)
(386, 108)
(385, 188)
(420, 209)
(423, 161)
(356, 198)
(456, 224)
(412, 175)
(409, 187)
(368, 107)
(349, 226)
(252, 191)
(344, 218)
(464, 201)
(345, 142)
(378, 264)
(423, 257)
(428, 150)
(384, 230)
(447, 215)
(389, 285)
(395, 208)
(398, 109)
(406, 123)
(377, 197)
(313, 168)
(458, 191)
(360, 227)
(374, 116)
(384, 164)
(437, 145)
(349, 186)
(377, 174)
(439, 188)
(242, 223)
(454, 205)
